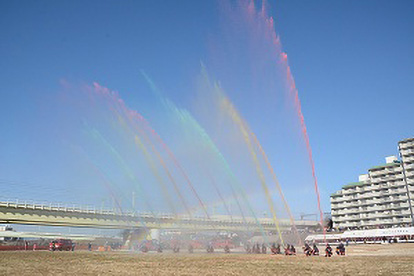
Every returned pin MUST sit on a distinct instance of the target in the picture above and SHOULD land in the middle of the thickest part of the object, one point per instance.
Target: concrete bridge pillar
(134, 237)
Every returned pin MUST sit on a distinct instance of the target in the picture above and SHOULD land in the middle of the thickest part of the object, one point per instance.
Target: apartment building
(384, 197)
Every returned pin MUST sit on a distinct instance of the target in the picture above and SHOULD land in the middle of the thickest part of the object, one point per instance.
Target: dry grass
(362, 260)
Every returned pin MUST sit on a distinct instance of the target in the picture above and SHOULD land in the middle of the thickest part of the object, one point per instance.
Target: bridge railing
(78, 208)
(90, 209)
(55, 206)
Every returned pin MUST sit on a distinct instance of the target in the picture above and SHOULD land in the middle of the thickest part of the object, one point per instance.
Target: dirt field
(396, 259)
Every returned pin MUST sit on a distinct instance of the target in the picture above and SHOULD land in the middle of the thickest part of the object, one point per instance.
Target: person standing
(328, 250)
(315, 250)
(264, 249)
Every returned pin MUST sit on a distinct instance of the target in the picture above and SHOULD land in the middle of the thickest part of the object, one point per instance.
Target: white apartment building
(382, 198)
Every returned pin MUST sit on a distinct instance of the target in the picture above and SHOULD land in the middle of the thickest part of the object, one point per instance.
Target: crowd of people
(256, 248)
(340, 250)
(274, 249)
(311, 251)
(314, 250)
(289, 250)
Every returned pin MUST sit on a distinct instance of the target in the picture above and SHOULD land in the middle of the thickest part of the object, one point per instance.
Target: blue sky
(352, 62)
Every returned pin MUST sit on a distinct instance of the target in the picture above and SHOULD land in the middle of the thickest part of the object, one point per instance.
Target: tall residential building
(384, 197)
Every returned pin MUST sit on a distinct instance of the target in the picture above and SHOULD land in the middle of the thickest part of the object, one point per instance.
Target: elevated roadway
(16, 212)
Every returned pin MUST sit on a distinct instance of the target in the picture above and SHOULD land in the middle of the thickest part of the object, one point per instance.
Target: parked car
(60, 245)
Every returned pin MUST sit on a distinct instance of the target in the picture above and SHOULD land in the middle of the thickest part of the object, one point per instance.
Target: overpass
(57, 214)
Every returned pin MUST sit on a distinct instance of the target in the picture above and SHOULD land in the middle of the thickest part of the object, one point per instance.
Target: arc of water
(119, 106)
(141, 220)
(210, 144)
(294, 91)
(149, 159)
(178, 165)
(124, 166)
(213, 182)
(108, 184)
(119, 103)
(173, 181)
(234, 115)
(243, 195)
(217, 190)
(282, 58)
(244, 129)
(166, 148)
(155, 151)
(147, 156)
(154, 169)
(106, 93)
(163, 164)
(276, 181)
(185, 115)
(152, 131)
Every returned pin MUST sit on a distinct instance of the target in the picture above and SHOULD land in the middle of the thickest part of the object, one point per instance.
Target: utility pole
(406, 185)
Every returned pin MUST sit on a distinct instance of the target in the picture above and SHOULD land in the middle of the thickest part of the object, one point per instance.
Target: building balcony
(399, 191)
(370, 210)
(394, 199)
(408, 158)
(384, 179)
(395, 206)
(369, 195)
(339, 199)
(407, 152)
(409, 173)
(397, 183)
(341, 206)
(406, 144)
(390, 214)
(376, 173)
(366, 202)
